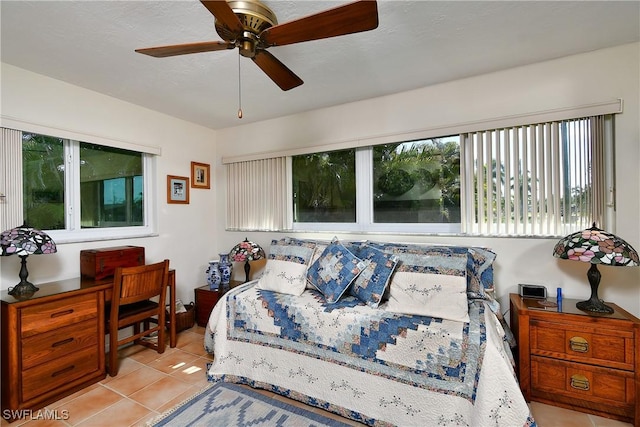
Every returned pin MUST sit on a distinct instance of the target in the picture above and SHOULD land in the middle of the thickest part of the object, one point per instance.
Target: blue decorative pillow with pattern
(370, 285)
(334, 271)
(292, 250)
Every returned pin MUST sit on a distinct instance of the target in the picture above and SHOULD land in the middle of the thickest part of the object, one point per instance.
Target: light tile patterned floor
(149, 383)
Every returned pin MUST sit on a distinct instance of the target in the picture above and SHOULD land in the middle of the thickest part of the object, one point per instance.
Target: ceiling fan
(252, 27)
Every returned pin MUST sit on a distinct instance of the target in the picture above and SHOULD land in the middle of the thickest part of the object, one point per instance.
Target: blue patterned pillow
(292, 250)
(334, 270)
(473, 262)
(480, 272)
(371, 284)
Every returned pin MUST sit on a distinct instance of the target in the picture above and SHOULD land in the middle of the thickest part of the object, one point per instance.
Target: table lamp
(246, 251)
(596, 246)
(24, 241)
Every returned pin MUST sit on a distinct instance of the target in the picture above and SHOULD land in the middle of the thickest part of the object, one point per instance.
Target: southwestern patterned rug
(231, 405)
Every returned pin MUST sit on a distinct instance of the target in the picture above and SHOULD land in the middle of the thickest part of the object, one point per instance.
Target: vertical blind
(540, 179)
(11, 214)
(257, 195)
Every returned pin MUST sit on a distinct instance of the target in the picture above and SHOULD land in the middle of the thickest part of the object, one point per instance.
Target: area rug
(231, 405)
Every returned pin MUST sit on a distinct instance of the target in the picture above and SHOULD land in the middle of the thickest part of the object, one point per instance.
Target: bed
(373, 354)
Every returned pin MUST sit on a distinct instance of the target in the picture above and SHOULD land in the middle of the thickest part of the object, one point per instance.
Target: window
(417, 181)
(540, 174)
(84, 191)
(324, 187)
(411, 186)
(544, 179)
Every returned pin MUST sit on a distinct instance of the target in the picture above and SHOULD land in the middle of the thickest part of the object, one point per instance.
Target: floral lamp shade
(24, 241)
(596, 246)
(246, 251)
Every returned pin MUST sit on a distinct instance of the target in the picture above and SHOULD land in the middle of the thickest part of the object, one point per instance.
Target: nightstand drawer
(50, 345)
(55, 314)
(58, 372)
(604, 389)
(613, 348)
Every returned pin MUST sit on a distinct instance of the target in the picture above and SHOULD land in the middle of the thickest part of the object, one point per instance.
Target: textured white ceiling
(418, 43)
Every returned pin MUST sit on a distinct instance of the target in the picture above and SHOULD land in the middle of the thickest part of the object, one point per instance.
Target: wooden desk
(53, 344)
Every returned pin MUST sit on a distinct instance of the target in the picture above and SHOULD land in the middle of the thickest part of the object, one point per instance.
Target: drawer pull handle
(63, 342)
(579, 382)
(579, 344)
(62, 371)
(62, 313)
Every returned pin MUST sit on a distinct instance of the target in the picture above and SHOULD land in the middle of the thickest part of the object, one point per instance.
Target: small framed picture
(177, 189)
(200, 175)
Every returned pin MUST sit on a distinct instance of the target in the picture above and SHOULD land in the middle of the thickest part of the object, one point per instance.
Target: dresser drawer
(55, 314)
(604, 389)
(613, 348)
(59, 372)
(50, 345)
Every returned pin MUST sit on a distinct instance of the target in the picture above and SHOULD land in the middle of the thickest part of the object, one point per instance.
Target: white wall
(572, 81)
(185, 232)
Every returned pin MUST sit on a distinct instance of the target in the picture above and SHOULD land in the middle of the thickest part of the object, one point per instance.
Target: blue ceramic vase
(226, 270)
(214, 279)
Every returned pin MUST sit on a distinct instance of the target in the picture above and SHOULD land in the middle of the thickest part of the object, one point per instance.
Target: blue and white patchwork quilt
(365, 363)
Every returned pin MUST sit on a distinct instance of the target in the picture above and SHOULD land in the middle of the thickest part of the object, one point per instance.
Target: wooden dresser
(577, 360)
(52, 343)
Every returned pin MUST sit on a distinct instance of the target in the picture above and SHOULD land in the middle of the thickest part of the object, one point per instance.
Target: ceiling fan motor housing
(255, 18)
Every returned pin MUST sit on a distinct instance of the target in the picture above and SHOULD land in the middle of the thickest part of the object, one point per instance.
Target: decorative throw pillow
(473, 262)
(435, 295)
(291, 249)
(480, 272)
(317, 252)
(372, 282)
(285, 277)
(334, 270)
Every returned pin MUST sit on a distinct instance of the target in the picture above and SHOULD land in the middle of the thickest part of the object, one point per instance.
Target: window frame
(73, 232)
(241, 196)
(364, 208)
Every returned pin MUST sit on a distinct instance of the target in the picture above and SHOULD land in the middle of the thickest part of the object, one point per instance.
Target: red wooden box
(100, 263)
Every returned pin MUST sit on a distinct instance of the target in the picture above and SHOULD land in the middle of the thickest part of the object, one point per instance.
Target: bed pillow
(334, 271)
(474, 262)
(286, 267)
(371, 283)
(291, 249)
(285, 277)
(480, 272)
(321, 245)
(425, 294)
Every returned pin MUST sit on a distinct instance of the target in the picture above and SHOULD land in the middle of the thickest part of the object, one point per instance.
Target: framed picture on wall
(200, 175)
(177, 189)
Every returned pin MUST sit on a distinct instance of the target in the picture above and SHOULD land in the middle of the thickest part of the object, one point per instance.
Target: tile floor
(149, 383)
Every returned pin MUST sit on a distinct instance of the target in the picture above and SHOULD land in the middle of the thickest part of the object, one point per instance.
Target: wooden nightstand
(585, 362)
(206, 299)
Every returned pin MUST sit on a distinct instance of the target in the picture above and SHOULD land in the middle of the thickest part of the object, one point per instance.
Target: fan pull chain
(239, 91)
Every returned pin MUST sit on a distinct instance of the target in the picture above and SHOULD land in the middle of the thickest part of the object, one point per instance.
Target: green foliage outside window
(417, 182)
(43, 181)
(324, 187)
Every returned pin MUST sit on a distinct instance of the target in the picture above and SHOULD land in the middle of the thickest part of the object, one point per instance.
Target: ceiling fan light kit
(252, 27)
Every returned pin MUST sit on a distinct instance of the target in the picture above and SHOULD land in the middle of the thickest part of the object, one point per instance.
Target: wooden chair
(133, 287)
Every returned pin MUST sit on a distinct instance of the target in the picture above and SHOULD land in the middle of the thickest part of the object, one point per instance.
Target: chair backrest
(139, 283)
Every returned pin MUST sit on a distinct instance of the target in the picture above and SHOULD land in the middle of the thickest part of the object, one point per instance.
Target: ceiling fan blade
(183, 49)
(223, 13)
(347, 19)
(276, 70)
